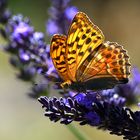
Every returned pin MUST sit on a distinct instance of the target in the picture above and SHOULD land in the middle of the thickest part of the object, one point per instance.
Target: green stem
(79, 135)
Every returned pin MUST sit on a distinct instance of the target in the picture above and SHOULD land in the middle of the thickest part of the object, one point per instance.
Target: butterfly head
(74, 86)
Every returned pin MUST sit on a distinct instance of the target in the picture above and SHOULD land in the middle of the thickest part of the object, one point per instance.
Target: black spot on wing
(77, 39)
(62, 53)
(89, 49)
(59, 68)
(120, 62)
(73, 62)
(84, 36)
(95, 41)
(70, 58)
(61, 44)
(89, 58)
(88, 30)
(119, 56)
(72, 52)
(62, 63)
(57, 58)
(88, 40)
(115, 70)
(98, 37)
(114, 63)
(93, 34)
(79, 46)
(81, 53)
(71, 44)
(115, 51)
(108, 55)
(73, 30)
(55, 47)
(79, 26)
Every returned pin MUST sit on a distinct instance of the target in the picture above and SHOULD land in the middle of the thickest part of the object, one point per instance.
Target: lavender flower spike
(61, 15)
(103, 115)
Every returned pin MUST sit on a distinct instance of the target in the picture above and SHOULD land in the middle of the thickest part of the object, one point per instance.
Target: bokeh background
(21, 118)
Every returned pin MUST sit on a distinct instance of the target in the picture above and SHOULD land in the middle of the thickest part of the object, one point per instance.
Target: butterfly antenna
(45, 83)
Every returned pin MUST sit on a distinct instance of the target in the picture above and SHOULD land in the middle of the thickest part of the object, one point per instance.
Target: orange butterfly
(85, 61)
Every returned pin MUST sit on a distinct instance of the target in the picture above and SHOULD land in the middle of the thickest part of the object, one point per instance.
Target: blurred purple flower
(24, 56)
(27, 73)
(52, 27)
(131, 89)
(38, 38)
(4, 12)
(112, 97)
(70, 12)
(51, 73)
(61, 14)
(93, 118)
(22, 29)
(60, 3)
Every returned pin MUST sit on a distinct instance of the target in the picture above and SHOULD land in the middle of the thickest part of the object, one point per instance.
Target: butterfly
(85, 61)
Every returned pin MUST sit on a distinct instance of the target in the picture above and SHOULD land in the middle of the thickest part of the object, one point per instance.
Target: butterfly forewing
(83, 38)
(57, 52)
(110, 61)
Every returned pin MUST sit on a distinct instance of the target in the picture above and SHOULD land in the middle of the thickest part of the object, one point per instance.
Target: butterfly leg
(66, 84)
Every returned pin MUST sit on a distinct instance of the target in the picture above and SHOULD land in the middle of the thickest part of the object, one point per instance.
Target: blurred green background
(21, 118)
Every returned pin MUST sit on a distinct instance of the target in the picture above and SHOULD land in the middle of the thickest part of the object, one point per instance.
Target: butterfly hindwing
(83, 38)
(57, 52)
(110, 61)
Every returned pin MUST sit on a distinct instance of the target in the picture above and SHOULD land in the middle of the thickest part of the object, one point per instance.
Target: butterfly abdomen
(78, 87)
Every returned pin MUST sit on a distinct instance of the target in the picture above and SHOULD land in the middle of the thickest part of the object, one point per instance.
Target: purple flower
(86, 99)
(24, 56)
(131, 89)
(19, 32)
(136, 74)
(4, 17)
(52, 75)
(31, 49)
(4, 13)
(37, 38)
(60, 3)
(22, 30)
(52, 27)
(61, 15)
(40, 89)
(27, 73)
(112, 97)
(93, 118)
(70, 12)
(103, 115)
(68, 110)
